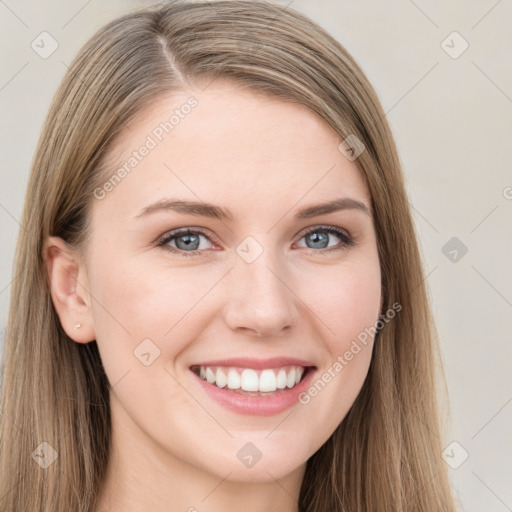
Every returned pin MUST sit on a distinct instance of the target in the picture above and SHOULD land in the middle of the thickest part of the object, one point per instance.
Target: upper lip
(257, 364)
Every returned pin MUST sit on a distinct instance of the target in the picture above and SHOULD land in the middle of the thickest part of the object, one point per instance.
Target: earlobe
(69, 289)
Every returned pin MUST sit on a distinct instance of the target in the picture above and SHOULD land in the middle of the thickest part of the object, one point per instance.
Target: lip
(257, 405)
(256, 364)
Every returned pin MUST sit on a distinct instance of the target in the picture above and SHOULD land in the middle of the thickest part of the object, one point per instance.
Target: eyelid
(347, 240)
(163, 239)
(327, 227)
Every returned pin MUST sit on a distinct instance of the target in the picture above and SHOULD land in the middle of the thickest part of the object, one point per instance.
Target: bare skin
(174, 448)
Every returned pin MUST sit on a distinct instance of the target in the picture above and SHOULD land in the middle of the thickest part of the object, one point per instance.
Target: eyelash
(347, 241)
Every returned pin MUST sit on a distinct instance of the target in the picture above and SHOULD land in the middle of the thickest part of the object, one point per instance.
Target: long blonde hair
(386, 453)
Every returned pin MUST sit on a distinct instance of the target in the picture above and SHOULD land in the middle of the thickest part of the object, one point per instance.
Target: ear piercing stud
(77, 326)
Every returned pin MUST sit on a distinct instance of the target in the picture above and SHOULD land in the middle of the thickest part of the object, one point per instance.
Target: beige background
(452, 119)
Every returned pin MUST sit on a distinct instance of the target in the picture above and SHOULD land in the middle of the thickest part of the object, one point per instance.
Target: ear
(69, 289)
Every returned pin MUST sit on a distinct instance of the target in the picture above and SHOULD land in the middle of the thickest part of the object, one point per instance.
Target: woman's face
(263, 283)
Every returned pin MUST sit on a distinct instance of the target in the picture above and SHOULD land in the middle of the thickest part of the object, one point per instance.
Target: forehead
(228, 145)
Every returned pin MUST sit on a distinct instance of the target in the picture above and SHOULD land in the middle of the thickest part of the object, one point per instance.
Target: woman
(220, 301)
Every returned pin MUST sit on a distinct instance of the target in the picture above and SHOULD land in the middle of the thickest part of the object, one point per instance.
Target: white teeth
(267, 381)
(233, 379)
(290, 380)
(210, 376)
(248, 379)
(281, 379)
(220, 378)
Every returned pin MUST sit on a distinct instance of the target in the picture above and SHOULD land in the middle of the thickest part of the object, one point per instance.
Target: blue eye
(187, 242)
(318, 238)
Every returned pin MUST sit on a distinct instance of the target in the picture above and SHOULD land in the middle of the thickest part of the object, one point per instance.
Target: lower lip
(257, 405)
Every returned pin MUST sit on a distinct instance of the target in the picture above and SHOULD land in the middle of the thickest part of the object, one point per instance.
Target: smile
(254, 387)
(254, 382)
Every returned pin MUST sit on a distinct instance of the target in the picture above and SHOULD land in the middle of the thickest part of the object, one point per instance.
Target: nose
(260, 300)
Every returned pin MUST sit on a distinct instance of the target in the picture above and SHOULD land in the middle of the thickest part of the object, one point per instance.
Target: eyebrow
(217, 212)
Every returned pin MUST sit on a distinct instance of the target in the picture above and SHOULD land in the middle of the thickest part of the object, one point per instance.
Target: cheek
(147, 297)
(346, 300)
(349, 308)
(137, 302)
